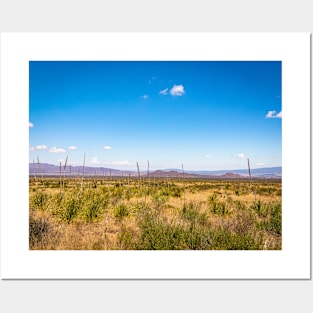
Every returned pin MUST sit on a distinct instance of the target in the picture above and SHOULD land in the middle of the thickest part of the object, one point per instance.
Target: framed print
(155, 155)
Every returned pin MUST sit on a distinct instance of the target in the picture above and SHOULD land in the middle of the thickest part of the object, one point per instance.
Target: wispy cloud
(41, 147)
(95, 160)
(72, 148)
(164, 92)
(122, 163)
(273, 114)
(57, 150)
(107, 147)
(240, 155)
(31, 125)
(151, 80)
(177, 90)
(74, 163)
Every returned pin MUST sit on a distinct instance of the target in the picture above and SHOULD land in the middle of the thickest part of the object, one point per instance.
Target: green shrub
(190, 212)
(156, 235)
(273, 219)
(260, 208)
(160, 199)
(126, 240)
(120, 211)
(270, 215)
(39, 201)
(225, 240)
(217, 206)
(93, 206)
(197, 237)
(68, 209)
(160, 235)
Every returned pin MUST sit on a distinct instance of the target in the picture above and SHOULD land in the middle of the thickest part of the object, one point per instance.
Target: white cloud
(72, 148)
(145, 97)
(31, 125)
(273, 114)
(42, 147)
(121, 163)
(118, 163)
(57, 150)
(107, 148)
(177, 90)
(240, 155)
(95, 160)
(164, 92)
(75, 163)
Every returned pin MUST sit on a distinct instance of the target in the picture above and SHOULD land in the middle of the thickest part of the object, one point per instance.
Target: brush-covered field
(132, 213)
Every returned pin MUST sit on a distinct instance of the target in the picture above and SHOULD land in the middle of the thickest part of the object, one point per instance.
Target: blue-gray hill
(50, 169)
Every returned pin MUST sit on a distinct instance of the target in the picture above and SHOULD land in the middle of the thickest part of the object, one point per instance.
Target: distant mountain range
(51, 170)
(263, 172)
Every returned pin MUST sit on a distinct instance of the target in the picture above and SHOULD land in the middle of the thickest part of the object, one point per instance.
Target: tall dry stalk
(82, 180)
(34, 169)
(251, 183)
(34, 172)
(128, 186)
(182, 166)
(148, 173)
(60, 179)
(122, 179)
(249, 170)
(64, 171)
(40, 170)
(139, 178)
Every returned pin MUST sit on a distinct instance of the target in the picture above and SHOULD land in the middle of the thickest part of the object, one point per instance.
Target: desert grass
(140, 213)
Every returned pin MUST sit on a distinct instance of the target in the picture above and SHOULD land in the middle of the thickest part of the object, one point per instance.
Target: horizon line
(153, 169)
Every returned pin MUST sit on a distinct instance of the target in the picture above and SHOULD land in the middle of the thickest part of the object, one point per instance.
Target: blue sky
(204, 115)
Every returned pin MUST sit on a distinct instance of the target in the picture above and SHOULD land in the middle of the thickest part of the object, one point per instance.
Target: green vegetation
(131, 213)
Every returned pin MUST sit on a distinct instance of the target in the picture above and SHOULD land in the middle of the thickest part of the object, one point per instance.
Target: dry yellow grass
(227, 210)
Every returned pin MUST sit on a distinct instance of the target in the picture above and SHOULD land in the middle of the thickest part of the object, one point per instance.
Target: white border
(293, 262)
